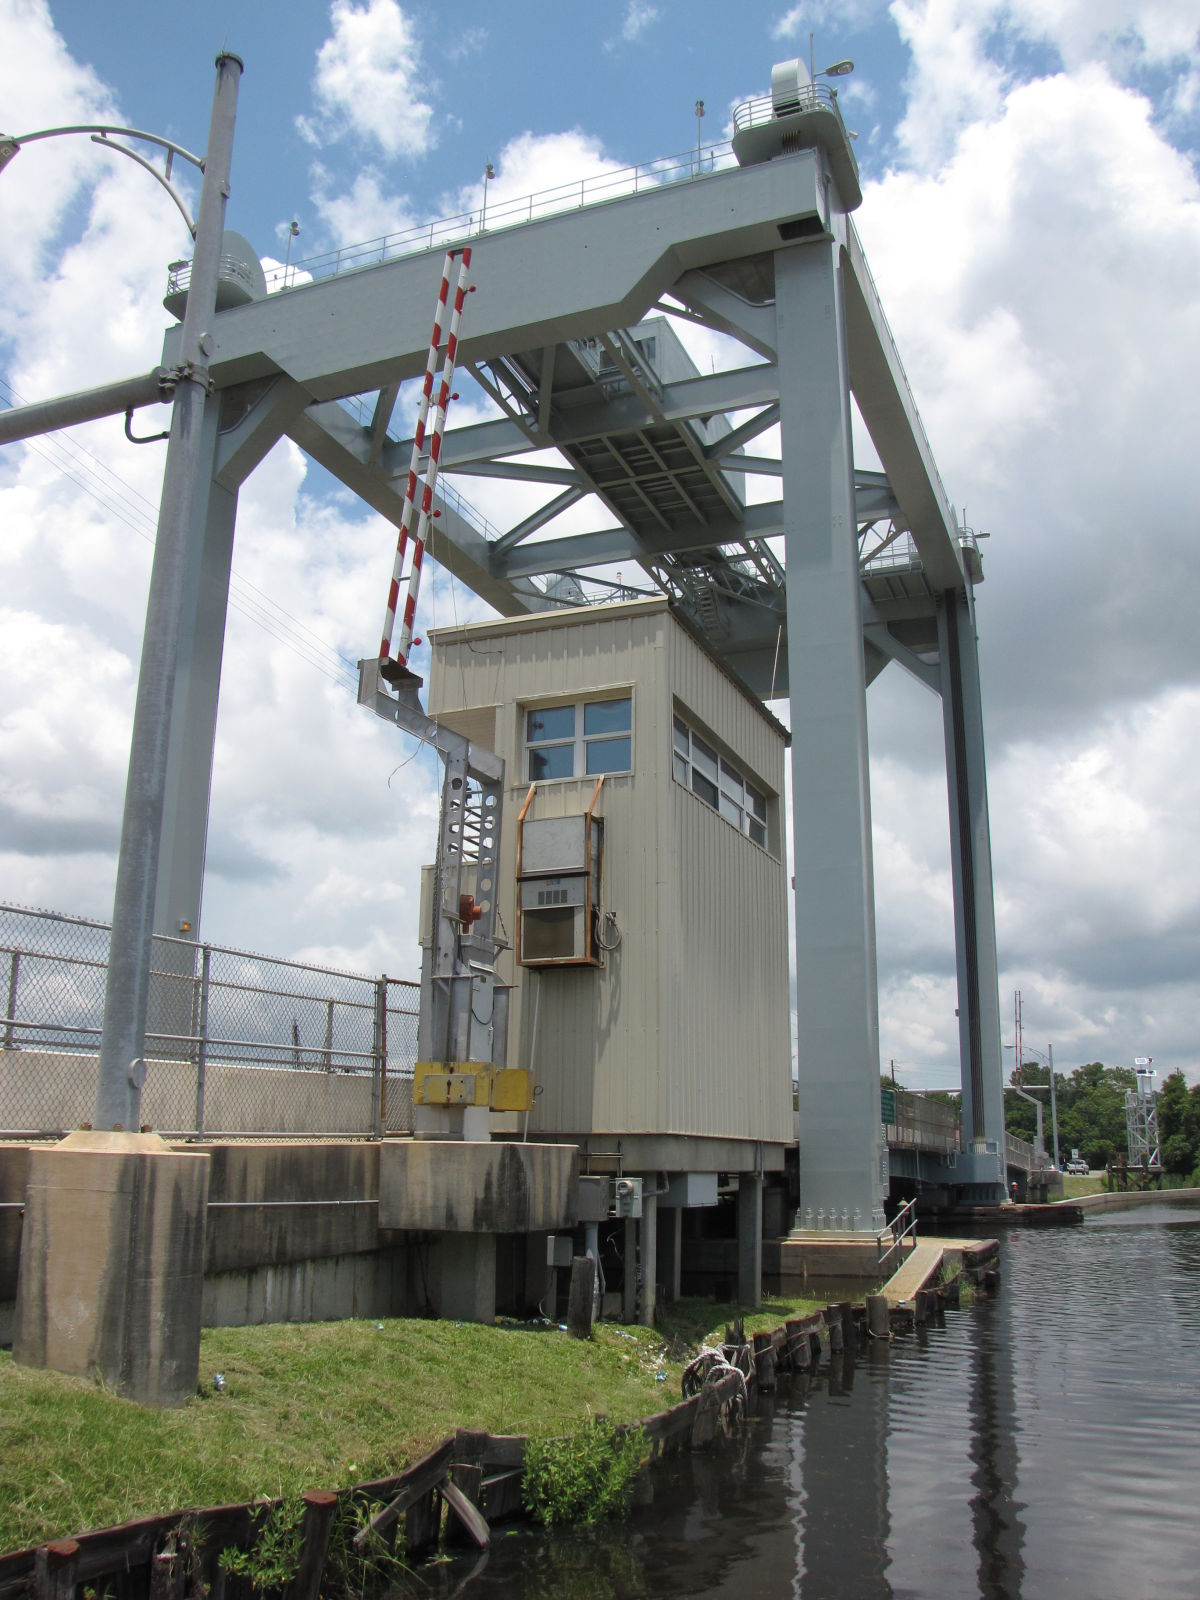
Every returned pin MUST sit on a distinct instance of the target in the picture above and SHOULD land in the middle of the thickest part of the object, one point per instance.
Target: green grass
(1075, 1185)
(320, 1406)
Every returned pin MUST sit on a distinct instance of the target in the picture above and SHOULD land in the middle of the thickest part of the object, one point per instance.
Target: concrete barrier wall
(45, 1091)
(1147, 1197)
(292, 1230)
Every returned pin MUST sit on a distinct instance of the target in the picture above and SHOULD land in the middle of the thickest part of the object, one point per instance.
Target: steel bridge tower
(809, 592)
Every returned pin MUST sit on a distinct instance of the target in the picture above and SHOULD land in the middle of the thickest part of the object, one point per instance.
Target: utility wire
(120, 499)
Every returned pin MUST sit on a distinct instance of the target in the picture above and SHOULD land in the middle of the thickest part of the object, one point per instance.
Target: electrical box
(560, 1248)
(627, 1197)
(559, 863)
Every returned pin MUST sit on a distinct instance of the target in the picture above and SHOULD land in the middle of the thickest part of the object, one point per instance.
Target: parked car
(1079, 1168)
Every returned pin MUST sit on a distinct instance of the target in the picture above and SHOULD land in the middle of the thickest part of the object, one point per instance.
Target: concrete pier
(111, 1273)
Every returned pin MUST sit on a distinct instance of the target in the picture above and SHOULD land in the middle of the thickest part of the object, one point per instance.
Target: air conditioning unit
(558, 884)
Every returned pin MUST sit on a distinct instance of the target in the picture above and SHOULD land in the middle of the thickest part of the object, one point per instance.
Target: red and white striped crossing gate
(431, 469)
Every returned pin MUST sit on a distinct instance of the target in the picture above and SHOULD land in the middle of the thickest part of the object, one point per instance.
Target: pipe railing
(902, 1226)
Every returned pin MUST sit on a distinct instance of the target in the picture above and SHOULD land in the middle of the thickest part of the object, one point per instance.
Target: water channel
(1045, 1442)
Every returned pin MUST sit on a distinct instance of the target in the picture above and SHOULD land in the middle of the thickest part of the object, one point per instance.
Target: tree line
(1091, 1114)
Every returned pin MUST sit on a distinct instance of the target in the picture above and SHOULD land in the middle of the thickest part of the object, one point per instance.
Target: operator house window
(719, 784)
(579, 741)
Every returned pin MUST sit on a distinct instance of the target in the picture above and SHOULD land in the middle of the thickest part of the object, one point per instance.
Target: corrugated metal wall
(686, 1028)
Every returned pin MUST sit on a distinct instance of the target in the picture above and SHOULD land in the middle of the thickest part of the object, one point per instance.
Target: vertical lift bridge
(816, 589)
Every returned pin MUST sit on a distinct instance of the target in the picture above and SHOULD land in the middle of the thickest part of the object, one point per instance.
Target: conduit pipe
(109, 400)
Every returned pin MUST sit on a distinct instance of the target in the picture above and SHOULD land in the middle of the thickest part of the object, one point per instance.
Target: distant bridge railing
(1020, 1153)
(922, 1124)
(237, 1044)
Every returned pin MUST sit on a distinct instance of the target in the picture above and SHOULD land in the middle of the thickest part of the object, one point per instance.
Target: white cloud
(370, 81)
(845, 15)
(365, 211)
(1035, 252)
(638, 18)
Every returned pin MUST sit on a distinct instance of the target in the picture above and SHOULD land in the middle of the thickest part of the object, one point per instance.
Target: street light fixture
(1025, 1095)
(838, 69)
(488, 172)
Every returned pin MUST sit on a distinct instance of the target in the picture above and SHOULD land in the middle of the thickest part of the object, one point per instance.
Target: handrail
(765, 108)
(899, 1229)
(616, 184)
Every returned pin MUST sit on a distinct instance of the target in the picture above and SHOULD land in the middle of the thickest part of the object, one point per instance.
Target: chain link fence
(237, 1044)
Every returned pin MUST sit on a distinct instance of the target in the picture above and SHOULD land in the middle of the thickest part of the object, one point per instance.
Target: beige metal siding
(685, 1030)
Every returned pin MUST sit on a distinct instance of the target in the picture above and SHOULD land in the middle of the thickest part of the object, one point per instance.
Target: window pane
(608, 755)
(704, 787)
(730, 811)
(606, 716)
(758, 833)
(705, 759)
(757, 803)
(551, 761)
(550, 722)
(681, 737)
(731, 783)
(681, 769)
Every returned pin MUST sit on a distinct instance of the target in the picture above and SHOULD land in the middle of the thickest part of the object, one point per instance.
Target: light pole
(1026, 1095)
(293, 230)
(488, 172)
(122, 1068)
(699, 119)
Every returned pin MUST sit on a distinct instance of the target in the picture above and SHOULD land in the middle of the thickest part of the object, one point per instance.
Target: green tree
(1091, 1110)
(1178, 1125)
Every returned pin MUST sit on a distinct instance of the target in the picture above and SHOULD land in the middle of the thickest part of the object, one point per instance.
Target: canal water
(1045, 1442)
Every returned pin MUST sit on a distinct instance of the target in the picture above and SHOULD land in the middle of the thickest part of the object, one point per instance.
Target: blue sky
(1032, 216)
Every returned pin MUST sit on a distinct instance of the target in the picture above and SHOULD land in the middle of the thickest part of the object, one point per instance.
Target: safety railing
(903, 1226)
(237, 1044)
(460, 228)
(923, 1124)
(808, 97)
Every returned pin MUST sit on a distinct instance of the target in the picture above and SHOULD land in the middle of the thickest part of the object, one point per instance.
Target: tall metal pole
(122, 1046)
(1053, 1107)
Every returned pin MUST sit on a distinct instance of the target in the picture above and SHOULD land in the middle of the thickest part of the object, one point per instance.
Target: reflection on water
(1042, 1443)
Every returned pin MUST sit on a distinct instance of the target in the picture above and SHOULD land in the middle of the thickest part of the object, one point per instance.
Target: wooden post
(55, 1570)
(581, 1300)
(849, 1337)
(877, 1316)
(764, 1362)
(422, 1523)
(319, 1507)
(467, 1524)
(833, 1322)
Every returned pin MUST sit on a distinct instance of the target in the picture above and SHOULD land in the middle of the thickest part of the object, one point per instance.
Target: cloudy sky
(1032, 217)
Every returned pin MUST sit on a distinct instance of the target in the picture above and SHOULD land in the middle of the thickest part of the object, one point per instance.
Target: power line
(66, 455)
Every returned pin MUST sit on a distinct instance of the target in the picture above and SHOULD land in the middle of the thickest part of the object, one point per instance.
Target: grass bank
(320, 1406)
(1075, 1185)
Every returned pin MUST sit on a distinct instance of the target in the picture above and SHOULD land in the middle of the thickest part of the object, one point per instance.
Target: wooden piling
(765, 1366)
(56, 1570)
(877, 1316)
(833, 1323)
(315, 1528)
(849, 1337)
